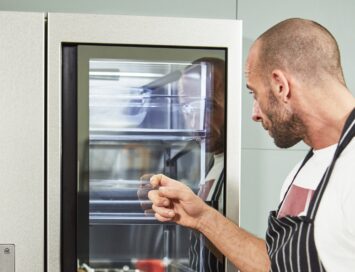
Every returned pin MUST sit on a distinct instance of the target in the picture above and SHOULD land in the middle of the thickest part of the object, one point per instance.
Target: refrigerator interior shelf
(123, 218)
(147, 135)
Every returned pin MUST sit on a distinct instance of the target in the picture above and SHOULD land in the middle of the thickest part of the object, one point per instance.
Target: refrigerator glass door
(140, 111)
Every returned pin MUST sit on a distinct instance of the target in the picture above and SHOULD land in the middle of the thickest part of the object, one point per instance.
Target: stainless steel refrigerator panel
(22, 158)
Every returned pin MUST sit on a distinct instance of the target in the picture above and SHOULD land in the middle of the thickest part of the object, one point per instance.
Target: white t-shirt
(335, 220)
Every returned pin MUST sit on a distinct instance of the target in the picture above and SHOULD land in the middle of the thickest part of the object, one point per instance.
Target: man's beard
(287, 128)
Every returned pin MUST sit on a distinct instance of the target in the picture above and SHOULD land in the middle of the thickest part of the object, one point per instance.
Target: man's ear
(280, 85)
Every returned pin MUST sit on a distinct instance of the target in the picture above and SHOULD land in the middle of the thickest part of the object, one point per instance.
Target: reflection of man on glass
(202, 102)
(213, 106)
(214, 123)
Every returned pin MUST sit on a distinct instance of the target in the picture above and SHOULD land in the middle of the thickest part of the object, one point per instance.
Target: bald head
(218, 76)
(302, 47)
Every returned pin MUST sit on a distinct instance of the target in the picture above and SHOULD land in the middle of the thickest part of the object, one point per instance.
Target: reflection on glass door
(145, 110)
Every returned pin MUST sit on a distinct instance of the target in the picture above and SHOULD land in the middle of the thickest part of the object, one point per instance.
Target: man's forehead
(248, 67)
(252, 57)
(253, 53)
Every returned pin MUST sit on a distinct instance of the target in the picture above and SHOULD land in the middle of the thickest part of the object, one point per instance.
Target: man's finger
(180, 192)
(164, 212)
(158, 199)
(155, 180)
(161, 180)
(161, 218)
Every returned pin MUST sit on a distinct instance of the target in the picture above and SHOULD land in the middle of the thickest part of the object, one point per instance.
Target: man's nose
(256, 116)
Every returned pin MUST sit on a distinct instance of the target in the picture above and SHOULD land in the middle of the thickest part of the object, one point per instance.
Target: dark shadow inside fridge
(129, 112)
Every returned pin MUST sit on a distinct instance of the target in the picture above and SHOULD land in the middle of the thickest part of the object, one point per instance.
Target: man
(294, 73)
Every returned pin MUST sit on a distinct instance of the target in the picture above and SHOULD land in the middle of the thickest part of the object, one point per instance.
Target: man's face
(213, 121)
(284, 126)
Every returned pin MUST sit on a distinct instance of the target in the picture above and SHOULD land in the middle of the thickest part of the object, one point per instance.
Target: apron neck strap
(347, 135)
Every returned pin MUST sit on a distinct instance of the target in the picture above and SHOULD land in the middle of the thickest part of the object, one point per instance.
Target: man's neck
(325, 122)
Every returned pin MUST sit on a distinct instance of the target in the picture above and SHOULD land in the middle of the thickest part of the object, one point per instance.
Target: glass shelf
(147, 135)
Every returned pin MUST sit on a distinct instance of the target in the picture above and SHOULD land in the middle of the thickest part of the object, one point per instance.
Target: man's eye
(252, 93)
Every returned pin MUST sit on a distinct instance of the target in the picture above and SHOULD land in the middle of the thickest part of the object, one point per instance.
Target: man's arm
(173, 201)
(246, 251)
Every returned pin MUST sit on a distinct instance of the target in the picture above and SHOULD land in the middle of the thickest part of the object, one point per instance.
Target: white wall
(225, 9)
(263, 165)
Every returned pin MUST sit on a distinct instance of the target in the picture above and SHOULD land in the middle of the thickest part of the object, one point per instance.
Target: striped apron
(290, 239)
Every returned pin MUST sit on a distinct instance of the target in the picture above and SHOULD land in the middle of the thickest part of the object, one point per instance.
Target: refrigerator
(137, 96)
(118, 99)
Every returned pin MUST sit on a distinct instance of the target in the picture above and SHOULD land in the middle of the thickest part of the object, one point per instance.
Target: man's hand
(174, 201)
